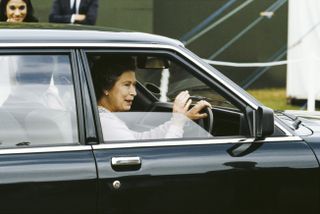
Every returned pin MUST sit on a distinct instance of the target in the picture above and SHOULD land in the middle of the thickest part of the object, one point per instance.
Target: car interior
(156, 91)
(28, 110)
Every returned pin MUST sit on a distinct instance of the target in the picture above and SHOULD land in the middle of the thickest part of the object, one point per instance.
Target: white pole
(310, 67)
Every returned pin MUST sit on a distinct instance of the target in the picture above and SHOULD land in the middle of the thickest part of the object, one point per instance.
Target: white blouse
(115, 129)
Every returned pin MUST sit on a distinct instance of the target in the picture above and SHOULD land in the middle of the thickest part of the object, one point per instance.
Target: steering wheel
(207, 123)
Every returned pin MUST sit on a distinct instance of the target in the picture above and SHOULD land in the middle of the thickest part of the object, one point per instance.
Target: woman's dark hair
(29, 17)
(106, 71)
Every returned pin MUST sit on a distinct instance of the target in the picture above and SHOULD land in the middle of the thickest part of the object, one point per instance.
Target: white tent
(303, 71)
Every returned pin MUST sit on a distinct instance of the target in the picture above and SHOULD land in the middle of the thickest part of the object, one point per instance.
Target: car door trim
(45, 149)
(192, 142)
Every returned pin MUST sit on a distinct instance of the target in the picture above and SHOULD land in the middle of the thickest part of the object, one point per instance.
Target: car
(243, 158)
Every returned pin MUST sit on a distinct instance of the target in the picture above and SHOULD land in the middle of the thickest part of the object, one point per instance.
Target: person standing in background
(74, 11)
(16, 11)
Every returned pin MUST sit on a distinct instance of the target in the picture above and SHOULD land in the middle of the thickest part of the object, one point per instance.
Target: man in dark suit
(74, 11)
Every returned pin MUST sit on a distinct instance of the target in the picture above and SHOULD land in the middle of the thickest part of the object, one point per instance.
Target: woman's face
(121, 95)
(16, 11)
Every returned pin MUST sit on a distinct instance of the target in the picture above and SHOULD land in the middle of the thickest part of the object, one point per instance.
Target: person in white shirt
(74, 11)
(115, 88)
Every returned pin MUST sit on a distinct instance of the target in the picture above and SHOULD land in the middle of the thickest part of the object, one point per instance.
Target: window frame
(178, 57)
(185, 56)
(70, 52)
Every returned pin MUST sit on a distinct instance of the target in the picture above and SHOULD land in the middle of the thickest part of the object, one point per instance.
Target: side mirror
(264, 122)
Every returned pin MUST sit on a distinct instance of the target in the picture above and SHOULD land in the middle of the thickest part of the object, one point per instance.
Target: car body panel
(310, 121)
(48, 180)
(207, 179)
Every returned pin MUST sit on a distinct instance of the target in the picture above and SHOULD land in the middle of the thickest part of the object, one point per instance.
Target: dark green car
(242, 158)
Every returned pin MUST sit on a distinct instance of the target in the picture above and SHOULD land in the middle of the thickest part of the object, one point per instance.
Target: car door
(201, 177)
(227, 171)
(45, 167)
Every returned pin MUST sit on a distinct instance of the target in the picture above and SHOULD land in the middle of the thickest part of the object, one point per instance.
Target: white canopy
(303, 73)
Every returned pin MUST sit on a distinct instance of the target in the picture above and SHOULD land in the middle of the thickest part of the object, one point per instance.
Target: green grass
(274, 98)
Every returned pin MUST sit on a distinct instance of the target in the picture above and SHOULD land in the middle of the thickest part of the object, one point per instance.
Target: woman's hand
(194, 112)
(182, 103)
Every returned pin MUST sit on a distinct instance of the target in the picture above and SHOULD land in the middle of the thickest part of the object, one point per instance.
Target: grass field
(274, 98)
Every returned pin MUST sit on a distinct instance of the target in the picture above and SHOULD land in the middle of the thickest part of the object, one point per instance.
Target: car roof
(67, 33)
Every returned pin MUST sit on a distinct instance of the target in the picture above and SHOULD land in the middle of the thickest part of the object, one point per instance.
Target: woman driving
(115, 88)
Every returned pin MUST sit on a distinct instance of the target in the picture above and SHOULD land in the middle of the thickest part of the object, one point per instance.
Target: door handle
(126, 163)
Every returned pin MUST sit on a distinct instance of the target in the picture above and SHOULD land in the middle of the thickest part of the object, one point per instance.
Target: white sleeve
(170, 129)
(114, 129)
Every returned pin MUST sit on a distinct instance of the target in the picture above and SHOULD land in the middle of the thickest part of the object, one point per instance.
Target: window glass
(37, 102)
(136, 93)
(170, 81)
(148, 126)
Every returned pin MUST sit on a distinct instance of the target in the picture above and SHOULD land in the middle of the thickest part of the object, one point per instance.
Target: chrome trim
(84, 45)
(254, 124)
(45, 149)
(125, 161)
(170, 143)
(192, 142)
(280, 139)
(130, 45)
(116, 184)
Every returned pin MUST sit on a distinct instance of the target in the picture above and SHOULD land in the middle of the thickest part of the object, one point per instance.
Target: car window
(176, 78)
(149, 126)
(148, 114)
(37, 102)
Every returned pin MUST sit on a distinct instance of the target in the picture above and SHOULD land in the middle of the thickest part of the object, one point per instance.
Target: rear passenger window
(37, 101)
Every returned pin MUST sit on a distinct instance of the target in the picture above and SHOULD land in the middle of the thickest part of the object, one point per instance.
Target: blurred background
(219, 30)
